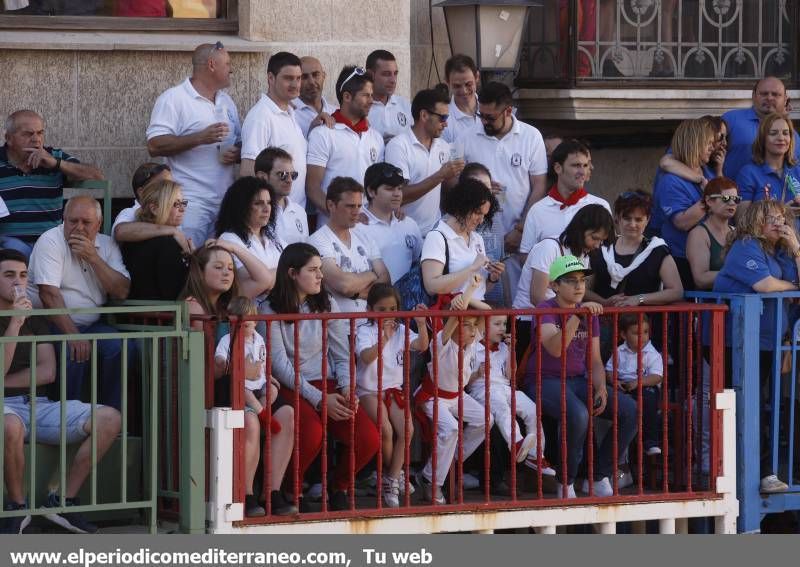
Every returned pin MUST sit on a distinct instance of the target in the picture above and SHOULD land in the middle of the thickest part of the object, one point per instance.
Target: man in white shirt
(271, 122)
(351, 264)
(463, 80)
(424, 158)
(399, 241)
(310, 106)
(390, 113)
(195, 125)
(550, 216)
(276, 167)
(127, 229)
(74, 266)
(350, 147)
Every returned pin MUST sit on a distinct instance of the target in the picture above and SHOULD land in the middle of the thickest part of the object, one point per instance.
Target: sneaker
(547, 468)
(279, 506)
(338, 501)
(570, 490)
(16, 524)
(470, 481)
(391, 492)
(71, 521)
(601, 487)
(430, 492)
(524, 447)
(401, 481)
(252, 508)
(368, 485)
(654, 450)
(624, 478)
(314, 493)
(772, 483)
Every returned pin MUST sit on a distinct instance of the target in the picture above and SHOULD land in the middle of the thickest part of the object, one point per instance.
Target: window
(141, 15)
(585, 42)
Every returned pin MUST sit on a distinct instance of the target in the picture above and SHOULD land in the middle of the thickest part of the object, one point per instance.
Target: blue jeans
(651, 410)
(109, 359)
(578, 422)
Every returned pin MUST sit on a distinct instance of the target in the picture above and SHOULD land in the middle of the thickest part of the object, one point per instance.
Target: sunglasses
(358, 71)
(182, 204)
(219, 45)
(388, 171)
(156, 170)
(489, 117)
(284, 175)
(634, 195)
(736, 199)
(442, 117)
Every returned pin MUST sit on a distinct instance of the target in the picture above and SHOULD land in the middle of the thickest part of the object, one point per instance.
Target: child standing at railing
(524, 448)
(453, 341)
(258, 393)
(382, 298)
(628, 374)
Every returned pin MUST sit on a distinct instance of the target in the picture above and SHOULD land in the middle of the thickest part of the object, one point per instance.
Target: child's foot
(772, 483)
(570, 490)
(279, 506)
(524, 447)
(252, 508)
(653, 450)
(547, 469)
(391, 492)
(431, 492)
(401, 480)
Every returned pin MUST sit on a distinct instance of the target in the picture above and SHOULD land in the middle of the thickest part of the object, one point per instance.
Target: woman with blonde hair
(773, 172)
(158, 266)
(763, 258)
(680, 201)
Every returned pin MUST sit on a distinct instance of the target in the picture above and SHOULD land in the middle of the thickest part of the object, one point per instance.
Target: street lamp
(489, 31)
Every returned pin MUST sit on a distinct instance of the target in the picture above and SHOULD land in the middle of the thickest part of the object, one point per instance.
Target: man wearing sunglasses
(390, 113)
(275, 166)
(424, 158)
(195, 126)
(350, 147)
(271, 122)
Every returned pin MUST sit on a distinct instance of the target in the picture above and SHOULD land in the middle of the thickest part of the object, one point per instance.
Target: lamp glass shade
(500, 29)
(462, 30)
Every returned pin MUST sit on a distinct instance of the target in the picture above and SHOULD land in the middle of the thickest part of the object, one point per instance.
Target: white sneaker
(391, 492)
(772, 483)
(654, 450)
(430, 491)
(601, 487)
(314, 493)
(531, 463)
(570, 490)
(401, 481)
(524, 447)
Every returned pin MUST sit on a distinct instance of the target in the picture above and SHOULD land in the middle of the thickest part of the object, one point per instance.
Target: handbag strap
(446, 254)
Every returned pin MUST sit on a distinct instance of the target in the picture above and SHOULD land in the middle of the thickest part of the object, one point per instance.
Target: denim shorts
(48, 418)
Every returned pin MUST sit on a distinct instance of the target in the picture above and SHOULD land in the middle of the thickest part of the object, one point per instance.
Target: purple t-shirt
(576, 349)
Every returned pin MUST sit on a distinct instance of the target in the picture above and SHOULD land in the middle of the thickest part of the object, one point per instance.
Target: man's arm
(170, 144)
(39, 157)
(45, 369)
(247, 168)
(138, 231)
(52, 299)
(538, 185)
(345, 283)
(449, 171)
(115, 284)
(314, 192)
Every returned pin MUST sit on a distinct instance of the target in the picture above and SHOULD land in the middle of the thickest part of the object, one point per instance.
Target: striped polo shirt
(35, 200)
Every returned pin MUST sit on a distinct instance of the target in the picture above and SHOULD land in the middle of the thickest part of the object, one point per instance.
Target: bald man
(311, 108)
(769, 95)
(73, 266)
(195, 125)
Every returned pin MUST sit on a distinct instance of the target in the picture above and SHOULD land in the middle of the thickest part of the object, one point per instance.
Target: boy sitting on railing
(452, 341)
(628, 374)
(258, 392)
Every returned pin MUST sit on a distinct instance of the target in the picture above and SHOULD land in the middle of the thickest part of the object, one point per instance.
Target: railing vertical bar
(513, 367)
(324, 412)
(460, 463)
(564, 468)
(33, 434)
(166, 431)
(615, 401)
(351, 491)
(62, 445)
(154, 436)
(93, 484)
(589, 403)
(379, 417)
(266, 454)
(536, 322)
(124, 431)
(437, 326)
(665, 404)
(689, 399)
(640, 405)
(407, 413)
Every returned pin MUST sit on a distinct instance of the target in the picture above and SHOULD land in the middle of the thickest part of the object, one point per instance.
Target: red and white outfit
(392, 358)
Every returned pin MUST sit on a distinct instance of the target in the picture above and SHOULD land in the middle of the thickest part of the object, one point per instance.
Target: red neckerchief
(569, 201)
(359, 127)
(492, 347)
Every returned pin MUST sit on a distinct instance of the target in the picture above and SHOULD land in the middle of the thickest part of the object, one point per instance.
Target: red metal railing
(676, 474)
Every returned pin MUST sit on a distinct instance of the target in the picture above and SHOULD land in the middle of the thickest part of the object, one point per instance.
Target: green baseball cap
(564, 265)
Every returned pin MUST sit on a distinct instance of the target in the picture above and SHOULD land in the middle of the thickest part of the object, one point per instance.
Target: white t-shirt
(546, 219)
(399, 243)
(499, 366)
(266, 125)
(126, 215)
(628, 362)
(448, 362)
(181, 111)
(393, 349)
(291, 223)
(53, 263)
(267, 251)
(461, 253)
(459, 124)
(391, 119)
(255, 349)
(353, 259)
(417, 163)
(539, 258)
(343, 153)
(512, 160)
(305, 114)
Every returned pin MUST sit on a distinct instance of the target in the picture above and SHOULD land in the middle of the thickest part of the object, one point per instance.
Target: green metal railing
(170, 357)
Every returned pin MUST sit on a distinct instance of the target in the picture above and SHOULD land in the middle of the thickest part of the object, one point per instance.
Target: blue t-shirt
(753, 177)
(674, 195)
(742, 132)
(746, 264)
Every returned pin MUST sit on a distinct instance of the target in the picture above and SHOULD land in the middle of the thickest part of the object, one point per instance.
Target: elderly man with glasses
(195, 125)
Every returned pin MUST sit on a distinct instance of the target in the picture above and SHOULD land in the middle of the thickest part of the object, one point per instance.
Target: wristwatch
(641, 300)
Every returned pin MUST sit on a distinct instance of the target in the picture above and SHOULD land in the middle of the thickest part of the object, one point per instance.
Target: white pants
(447, 433)
(199, 221)
(500, 408)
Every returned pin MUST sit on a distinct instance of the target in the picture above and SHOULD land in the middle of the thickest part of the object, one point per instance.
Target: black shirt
(33, 326)
(158, 268)
(644, 279)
